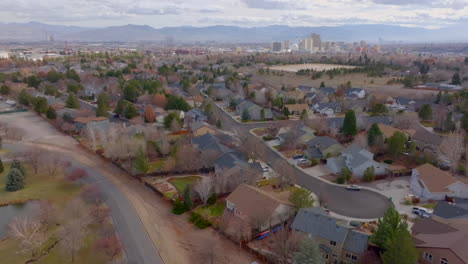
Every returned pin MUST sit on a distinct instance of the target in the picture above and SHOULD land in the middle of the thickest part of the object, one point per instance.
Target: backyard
(180, 183)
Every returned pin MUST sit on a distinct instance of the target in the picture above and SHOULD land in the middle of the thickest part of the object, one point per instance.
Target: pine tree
(396, 144)
(425, 113)
(1, 166)
(373, 134)
(102, 105)
(130, 111)
(388, 226)
(51, 114)
(308, 253)
(400, 249)
(72, 102)
(120, 108)
(350, 124)
(141, 162)
(245, 115)
(16, 164)
(15, 180)
(456, 80)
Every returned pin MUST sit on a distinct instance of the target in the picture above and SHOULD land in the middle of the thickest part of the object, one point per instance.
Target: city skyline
(245, 13)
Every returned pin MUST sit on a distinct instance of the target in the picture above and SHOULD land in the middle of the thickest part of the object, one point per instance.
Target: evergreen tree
(449, 125)
(16, 164)
(322, 84)
(24, 98)
(4, 90)
(188, 197)
(177, 103)
(262, 114)
(130, 111)
(350, 124)
(388, 227)
(400, 249)
(219, 124)
(15, 180)
(396, 144)
(71, 74)
(456, 80)
(130, 92)
(301, 198)
(425, 113)
(373, 135)
(51, 114)
(53, 76)
(120, 108)
(142, 164)
(245, 115)
(438, 98)
(464, 122)
(369, 174)
(168, 120)
(102, 105)
(72, 102)
(1, 166)
(40, 105)
(308, 253)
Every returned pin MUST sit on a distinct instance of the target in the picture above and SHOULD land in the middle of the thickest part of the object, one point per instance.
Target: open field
(312, 66)
(375, 85)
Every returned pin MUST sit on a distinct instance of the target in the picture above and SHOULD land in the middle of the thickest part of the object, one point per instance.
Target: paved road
(137, 244)
(364, 204)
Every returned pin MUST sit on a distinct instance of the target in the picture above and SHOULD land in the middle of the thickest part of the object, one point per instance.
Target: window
(443, 261)
(351, 256)
(333, 243)
(324, 255)
(427, 256)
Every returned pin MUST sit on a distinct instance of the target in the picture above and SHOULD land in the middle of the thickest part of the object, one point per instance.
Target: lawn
(40, 186)
(212, 211)
(181, 183)
(156, 165)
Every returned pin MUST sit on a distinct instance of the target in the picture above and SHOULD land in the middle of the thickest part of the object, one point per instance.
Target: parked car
(422, 214)
(417, 209)
(302, 161)
(353, 187)
(265, 169)
(297, 156)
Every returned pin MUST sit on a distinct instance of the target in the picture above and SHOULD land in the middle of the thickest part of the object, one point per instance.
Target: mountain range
(35, 31)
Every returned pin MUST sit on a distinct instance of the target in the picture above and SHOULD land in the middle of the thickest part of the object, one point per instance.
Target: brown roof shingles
(435, 179)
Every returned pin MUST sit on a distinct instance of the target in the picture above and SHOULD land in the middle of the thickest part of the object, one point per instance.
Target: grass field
(312, 66)
(181, 183)
(40, 186)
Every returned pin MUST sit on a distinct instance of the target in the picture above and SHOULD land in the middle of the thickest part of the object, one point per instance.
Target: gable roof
(317, 223)
(254, 202)
(388, 131)
(435, 179)
(327, 90)
(450, 235)
(322, 142)
(356, 156)
(297, 107)
(209, 142)
(197, 125)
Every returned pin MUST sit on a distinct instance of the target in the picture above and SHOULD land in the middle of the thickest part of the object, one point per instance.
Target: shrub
(340, 180)
(388, 161)
(268, 138)
(199, 221)
(461, 169)
(369, 174)
(179, 207)
(314, 162)
(212, 199)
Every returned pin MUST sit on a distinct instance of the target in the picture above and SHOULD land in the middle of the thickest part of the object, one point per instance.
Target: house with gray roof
(327, 90)
(362, 121)
(301, 134)
(254, 110)
(327, 108)
(355, 93)
(210, 142)
(338, 241)
(197, 115)
(357, 160)
(322, 147)
(458, 209)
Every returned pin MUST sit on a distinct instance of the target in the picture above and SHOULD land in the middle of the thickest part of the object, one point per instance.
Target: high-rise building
(276, 47)
(317, 45)
(286, 45)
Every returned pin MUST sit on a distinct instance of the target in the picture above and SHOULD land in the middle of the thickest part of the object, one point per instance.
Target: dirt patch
(312, 66)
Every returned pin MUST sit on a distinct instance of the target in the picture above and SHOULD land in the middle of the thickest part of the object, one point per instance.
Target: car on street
(422, 214)
(418, 210)
(265, 169)
(353, 187)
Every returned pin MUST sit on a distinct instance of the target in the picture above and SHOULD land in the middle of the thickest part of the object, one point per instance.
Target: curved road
(138, 246)
(364, 204)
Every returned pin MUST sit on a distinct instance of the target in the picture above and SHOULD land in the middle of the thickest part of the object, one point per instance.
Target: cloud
(454, 4)
(269, 4)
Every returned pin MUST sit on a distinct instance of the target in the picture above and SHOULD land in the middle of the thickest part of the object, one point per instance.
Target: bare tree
(51, 164)
(46, 213)
(28, 232)
(125, 147)
(187, 158)
(318, 124)
(204, 188)
(453, 147)
(74, 230)
(111, 246)
(34, 157)
(285, 244)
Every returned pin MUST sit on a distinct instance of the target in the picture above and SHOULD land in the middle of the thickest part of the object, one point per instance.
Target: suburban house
(210, 142)
(357, 160)
(425, 139)
(355, 93)
(255, 111)
(297, 109)
(258, 209)
(91, 123)
(327, 91)
(235, 165)
(297, 96)
(197, 115)
(327, 108)
(322, 147)
(388, 131)
(440, 241)
(305, 88)
(431, 183)
(310, 98)
(362, 121)
(301, 134)
(201, 128)
(338, 241)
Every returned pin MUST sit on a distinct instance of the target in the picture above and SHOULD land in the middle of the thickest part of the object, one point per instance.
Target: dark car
(297, 156)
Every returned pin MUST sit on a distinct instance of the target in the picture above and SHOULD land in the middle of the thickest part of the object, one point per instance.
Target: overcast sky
(247, 13)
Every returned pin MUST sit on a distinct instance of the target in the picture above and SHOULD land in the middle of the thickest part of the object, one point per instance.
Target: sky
(245, 13)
